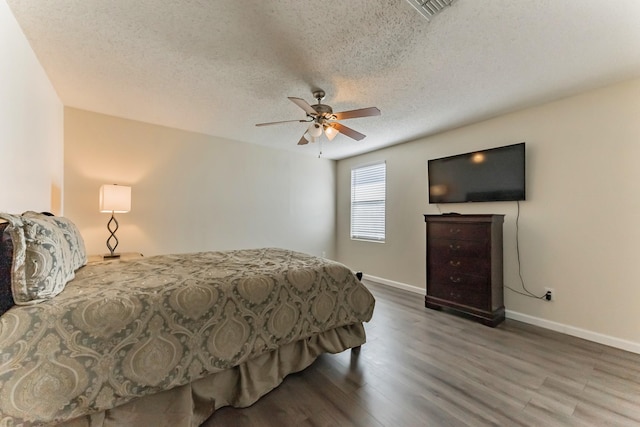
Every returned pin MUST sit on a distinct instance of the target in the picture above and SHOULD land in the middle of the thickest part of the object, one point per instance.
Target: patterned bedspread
(130, 328)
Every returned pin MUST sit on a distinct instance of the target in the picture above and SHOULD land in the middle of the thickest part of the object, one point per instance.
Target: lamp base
(111, 256)
(112, 226)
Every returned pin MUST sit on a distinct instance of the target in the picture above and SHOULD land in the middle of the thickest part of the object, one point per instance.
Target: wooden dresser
(464, 265)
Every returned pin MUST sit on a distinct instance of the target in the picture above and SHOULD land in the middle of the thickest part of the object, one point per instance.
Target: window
(368, 195)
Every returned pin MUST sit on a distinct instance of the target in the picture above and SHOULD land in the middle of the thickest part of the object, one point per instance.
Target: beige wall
(193, 192)
(31, 133)
(578, 227)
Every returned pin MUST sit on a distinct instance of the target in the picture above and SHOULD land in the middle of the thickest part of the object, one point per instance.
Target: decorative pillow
(6, 256)
(71, 234)
(42, 261)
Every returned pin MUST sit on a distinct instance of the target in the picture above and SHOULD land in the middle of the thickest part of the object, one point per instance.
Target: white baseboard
(575, 332)
(393, 284)
(532, 320)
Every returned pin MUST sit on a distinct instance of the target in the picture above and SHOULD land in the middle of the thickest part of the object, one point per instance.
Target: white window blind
(368, 198)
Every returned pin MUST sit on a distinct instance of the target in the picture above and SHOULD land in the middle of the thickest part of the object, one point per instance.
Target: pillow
(42, 262)
(71, 235)
(6, 255)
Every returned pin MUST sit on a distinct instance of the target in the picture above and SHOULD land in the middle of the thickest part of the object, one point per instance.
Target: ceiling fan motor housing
(323, 110)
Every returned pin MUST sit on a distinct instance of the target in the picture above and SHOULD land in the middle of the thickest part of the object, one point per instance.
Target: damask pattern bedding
(127, 329)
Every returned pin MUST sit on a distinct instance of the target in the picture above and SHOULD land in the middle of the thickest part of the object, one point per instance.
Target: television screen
(496, 174)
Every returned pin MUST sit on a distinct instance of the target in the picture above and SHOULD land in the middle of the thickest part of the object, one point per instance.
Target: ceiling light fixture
(315, 129)
(330, 132)
(430, 8)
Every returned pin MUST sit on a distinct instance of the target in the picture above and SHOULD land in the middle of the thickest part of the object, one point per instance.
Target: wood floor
(427, 368)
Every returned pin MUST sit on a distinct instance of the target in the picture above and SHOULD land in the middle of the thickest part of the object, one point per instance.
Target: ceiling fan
(322, 119)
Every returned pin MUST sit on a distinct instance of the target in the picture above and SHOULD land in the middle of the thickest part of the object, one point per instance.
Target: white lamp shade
(315, 130)
(309, 137)
(115, 198)
(330, 132)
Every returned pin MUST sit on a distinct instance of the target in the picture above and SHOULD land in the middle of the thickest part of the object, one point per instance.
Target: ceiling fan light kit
(322, 119)
(315, 129)
(330, 132)
(430, 8)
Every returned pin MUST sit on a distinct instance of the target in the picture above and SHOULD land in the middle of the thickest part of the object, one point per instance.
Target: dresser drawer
(457, 248)
(458, 293)
(448, 264)
(473, 281)
(458, 231)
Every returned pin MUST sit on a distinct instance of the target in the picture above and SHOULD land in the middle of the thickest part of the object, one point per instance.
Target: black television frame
(495, 194)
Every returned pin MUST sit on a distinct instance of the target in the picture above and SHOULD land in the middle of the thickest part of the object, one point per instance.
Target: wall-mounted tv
(496, 174)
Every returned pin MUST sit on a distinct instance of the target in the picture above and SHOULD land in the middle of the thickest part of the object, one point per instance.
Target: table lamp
(114, 198)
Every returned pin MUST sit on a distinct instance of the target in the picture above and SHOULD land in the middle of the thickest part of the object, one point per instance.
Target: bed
(163, 340)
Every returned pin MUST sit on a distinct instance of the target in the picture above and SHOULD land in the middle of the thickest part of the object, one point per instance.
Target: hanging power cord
(526, 292)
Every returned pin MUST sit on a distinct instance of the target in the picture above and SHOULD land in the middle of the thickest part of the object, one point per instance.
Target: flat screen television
(493, 175)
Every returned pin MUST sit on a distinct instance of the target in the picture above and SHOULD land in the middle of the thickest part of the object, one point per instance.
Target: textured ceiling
(219, 67)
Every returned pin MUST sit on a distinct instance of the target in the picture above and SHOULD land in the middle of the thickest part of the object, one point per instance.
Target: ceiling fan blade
(362, 112)
(277, 123)
(303, 140)
(347, 131)
(304, 105)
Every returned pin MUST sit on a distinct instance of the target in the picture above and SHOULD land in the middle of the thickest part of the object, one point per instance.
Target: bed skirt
(192, 404)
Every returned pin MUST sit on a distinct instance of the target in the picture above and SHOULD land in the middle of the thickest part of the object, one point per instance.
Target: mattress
(123, 330)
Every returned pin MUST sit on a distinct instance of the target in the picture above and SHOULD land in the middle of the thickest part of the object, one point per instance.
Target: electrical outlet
(550, 294)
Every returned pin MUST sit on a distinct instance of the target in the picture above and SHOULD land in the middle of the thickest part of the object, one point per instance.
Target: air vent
(430, 8)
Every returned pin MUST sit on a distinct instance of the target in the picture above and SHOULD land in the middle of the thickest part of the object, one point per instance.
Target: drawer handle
(454, 263)
(455, 279)
(454, 247)
(454, 230)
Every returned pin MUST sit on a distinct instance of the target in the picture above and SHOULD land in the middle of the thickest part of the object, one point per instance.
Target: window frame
(372, 198)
